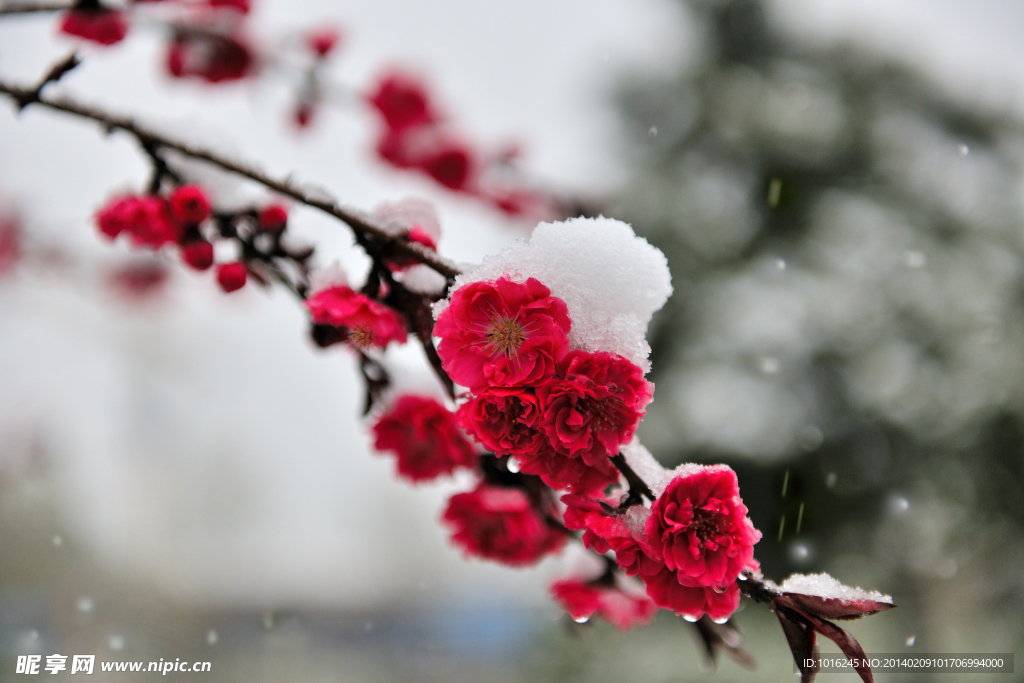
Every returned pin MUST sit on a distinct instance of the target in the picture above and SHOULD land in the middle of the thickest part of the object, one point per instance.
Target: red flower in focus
(211, 57)
(424, 436)
(402, 100)
(583, 600)
(189, 205)
(197, 254)
(562, 473)
(369, 322)
(593, 405)
(273, 218)
(605, 529)
(504, 421)
(500, 524)
(700, 527)
(100, 25)
(146, 221)
(231, 276)
(502, 333)
(692, 602)
(322, 41)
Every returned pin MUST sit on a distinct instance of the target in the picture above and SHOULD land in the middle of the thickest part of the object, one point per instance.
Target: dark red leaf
(802, 642)
(834, 608)
(846, 642)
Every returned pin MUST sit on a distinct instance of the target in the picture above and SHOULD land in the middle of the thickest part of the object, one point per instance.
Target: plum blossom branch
(361, 225)
(34, 7)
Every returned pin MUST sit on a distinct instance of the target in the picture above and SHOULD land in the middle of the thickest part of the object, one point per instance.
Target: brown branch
(359, 224)
(637, 486)
(34, 7)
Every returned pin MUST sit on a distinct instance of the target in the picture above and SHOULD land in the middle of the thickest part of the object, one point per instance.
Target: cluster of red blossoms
(362, 322)
(208, 40)
(181, 219)
(689, 547)
(416, 136)
(561, 414)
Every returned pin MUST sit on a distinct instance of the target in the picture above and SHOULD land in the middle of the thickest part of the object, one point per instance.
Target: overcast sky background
(199, 440)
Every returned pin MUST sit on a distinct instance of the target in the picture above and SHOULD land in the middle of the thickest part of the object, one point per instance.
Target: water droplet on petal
(512, 465)
(721, 620)
(211, 637)
(581, 620)
(911, 640)
(689, 618)
(116, 643)
(86, 604)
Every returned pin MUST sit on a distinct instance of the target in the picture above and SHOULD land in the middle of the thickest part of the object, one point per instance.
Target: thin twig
(33, 7)
(637, 486)
(358, 223)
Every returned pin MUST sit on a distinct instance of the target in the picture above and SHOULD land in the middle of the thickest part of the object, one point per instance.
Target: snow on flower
(369, 322)
(502, 334)
(700, 527)
(424, 436)
(620, 606)
(500, 524)
(611, 281)
(413, 219)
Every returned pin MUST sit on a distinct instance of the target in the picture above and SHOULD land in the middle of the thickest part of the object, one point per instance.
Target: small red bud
(231, 276)
(199, 255)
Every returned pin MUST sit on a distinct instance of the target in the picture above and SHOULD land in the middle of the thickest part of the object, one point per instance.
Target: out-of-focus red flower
(500, 524)
(303, 114)
(145, 220)
(451, 166)
(189, 205)
(242, 6)
(137, 281)
(323, 40)
(231, 276)
(273, 218)
(198, 254)
(10, 243)
(99, 25)
(402, 100)
(214, 58)
(425, 437)
(593, 405)
(582, 600)
(502, 333)
(692, 602)
(700, 527)
(369, 322)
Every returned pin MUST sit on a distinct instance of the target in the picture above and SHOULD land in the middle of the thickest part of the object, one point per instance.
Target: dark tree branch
(637, 486)
(360, 224)
(34, 7)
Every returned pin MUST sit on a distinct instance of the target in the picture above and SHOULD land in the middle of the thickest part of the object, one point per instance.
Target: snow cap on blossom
(424, 436)
(699, 526)
(611, 281)
(500, 524)
(619, 604)
(369, 322)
